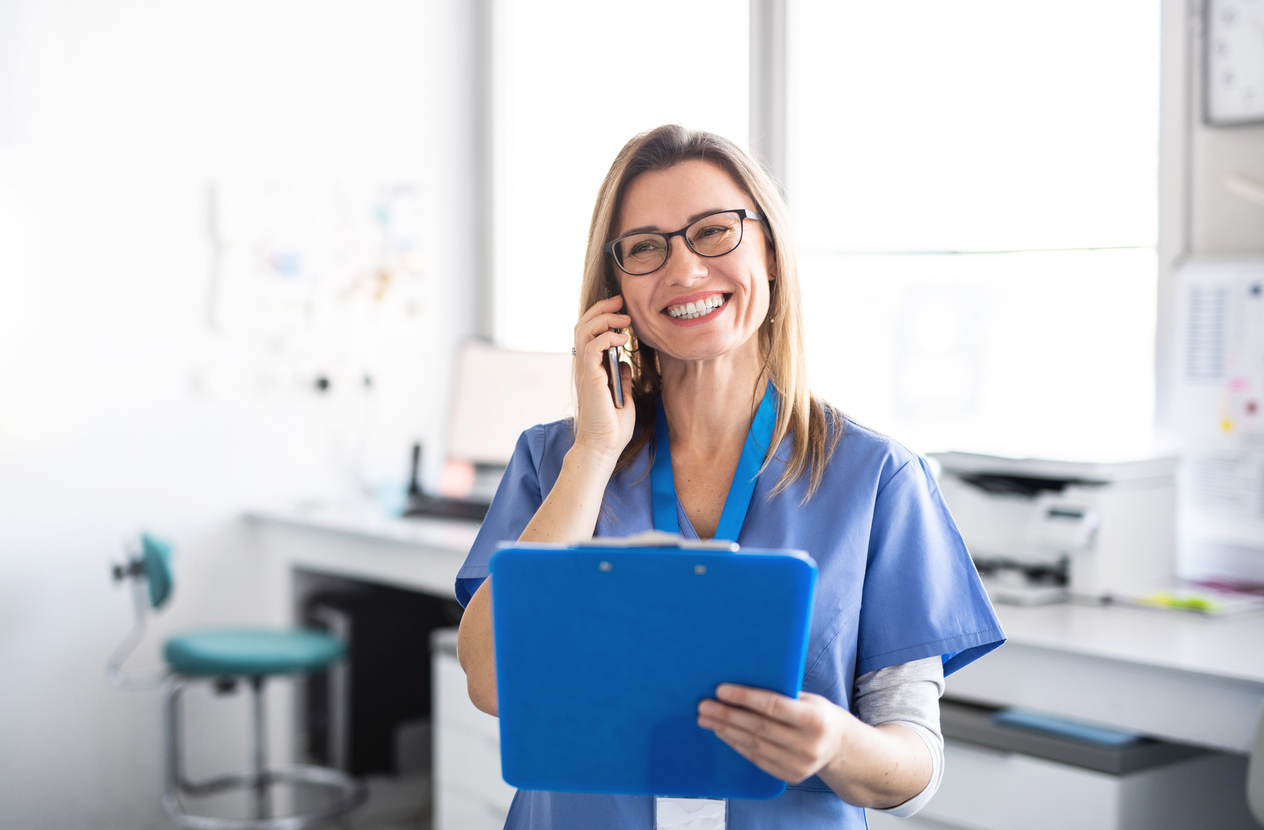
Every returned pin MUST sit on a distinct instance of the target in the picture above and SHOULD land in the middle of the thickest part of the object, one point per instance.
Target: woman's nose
(683, 265)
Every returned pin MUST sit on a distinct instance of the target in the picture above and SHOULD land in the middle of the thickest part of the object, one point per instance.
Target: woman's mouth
(698, 308)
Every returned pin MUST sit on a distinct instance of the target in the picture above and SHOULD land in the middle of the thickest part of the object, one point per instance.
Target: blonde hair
(815, 426)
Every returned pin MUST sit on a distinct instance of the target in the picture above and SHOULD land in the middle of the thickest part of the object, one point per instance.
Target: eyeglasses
(715, 234)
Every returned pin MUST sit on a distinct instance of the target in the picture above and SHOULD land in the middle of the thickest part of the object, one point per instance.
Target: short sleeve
(517, 499)
(922, 596)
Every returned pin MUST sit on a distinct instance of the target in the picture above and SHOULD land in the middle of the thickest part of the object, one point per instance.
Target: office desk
(358, 542)
(1171, 675)
(301, 547)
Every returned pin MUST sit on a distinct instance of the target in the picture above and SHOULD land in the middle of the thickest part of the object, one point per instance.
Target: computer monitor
(499, 393)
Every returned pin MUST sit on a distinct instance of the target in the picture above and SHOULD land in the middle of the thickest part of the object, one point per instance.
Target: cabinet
(469, 792)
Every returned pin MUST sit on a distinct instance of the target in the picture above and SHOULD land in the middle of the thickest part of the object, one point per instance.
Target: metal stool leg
(263, 807)
(346, 791)
(171, 778)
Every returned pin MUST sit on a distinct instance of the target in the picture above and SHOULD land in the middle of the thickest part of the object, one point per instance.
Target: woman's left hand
(786, 738)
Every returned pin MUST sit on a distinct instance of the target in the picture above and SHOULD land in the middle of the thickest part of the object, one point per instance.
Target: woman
(690, 267)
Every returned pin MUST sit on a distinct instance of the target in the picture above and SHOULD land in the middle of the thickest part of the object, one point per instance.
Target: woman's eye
(644, 247)
(711, 235)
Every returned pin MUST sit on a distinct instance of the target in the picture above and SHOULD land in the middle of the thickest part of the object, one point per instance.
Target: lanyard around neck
(663, 486)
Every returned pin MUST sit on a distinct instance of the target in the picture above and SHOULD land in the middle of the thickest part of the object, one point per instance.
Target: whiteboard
(1219, 409)
(498, 394)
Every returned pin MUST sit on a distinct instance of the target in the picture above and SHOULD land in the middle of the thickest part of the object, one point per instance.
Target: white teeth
(688, 311)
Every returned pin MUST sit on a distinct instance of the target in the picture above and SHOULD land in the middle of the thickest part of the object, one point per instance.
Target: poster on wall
(296, 256)
(1219, 409)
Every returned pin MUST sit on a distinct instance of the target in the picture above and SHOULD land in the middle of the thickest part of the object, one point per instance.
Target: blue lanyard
(663, 486)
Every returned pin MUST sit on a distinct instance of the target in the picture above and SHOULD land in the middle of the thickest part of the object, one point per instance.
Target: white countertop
(367, 520)
(1231, 647)
(1160, 672)
(1168, 674)
(358, 541)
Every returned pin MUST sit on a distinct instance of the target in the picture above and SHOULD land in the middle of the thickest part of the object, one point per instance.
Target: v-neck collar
(667, 507)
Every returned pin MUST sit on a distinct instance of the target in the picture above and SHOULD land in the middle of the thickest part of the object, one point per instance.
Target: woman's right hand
(569, 512)
(600, 427)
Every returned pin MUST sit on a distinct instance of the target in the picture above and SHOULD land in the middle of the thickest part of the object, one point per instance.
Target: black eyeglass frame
(742, 213)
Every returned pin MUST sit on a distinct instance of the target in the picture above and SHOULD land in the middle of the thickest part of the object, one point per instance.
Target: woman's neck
(709, 403)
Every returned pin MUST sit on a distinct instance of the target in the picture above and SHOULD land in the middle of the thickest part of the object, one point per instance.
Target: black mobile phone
(612, 357)
(616, 379)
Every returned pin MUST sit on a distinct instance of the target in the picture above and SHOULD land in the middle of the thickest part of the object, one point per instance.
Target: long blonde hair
(815, 427)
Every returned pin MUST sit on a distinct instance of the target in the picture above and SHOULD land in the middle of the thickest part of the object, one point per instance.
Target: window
(974, 191)
(572, 82)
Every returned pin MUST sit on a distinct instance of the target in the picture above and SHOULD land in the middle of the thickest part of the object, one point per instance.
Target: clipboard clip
(659, 539)
(648, 539)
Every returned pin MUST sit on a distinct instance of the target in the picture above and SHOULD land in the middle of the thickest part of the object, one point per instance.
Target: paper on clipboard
(658, 539)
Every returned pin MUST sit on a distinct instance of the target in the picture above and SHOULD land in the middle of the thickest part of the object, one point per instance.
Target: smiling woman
(731, 280)
(690, 266)
(672, 169)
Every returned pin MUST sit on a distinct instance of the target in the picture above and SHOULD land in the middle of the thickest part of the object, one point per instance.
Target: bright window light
(974, 125)
(573, 81)
(1044, 354)
(922, 135)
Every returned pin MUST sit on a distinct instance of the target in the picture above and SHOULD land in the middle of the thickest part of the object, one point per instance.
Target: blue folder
(603, 654)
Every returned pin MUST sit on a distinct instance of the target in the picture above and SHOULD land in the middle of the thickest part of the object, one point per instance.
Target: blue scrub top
(895, 584)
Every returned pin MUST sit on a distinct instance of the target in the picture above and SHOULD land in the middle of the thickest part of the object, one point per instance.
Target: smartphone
(616, 379)
(612, 356)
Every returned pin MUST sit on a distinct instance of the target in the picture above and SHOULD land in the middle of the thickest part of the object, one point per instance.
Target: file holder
(604, 652)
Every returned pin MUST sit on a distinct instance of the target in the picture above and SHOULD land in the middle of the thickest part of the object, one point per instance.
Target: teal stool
(225, 656)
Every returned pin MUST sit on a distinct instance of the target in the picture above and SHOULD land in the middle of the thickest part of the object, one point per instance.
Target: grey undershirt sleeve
(907, 694)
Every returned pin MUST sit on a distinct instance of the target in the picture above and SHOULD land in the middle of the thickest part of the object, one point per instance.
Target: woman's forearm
(568, 515)
(476, 649)
(878, 766)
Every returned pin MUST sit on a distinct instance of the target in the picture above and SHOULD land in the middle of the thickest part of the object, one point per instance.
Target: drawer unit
(452, 700)
(995, 778)
(471, 763)
(469, 792)
(455, 810)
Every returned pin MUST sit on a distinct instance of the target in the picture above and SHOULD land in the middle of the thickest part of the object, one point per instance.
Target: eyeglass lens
(714, 235)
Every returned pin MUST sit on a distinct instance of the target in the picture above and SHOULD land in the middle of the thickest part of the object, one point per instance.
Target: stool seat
(251, 652)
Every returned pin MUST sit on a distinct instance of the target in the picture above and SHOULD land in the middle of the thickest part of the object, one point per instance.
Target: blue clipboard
(603, 654)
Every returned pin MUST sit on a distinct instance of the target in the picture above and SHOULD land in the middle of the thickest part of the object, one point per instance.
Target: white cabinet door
(469, 792)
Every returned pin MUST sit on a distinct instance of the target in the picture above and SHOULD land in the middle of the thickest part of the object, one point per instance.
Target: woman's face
(666, 201)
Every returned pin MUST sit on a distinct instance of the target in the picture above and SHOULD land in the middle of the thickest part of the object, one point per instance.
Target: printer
(1044, 531)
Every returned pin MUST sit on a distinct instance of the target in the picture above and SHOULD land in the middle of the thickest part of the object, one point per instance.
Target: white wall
(1197, 214)
(121, 407)
(1219, 221)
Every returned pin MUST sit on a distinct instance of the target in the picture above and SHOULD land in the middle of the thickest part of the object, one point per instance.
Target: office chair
(224, 657)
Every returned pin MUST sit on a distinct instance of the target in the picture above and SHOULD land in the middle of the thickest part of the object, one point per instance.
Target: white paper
(1219, 402)
(690, 814)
